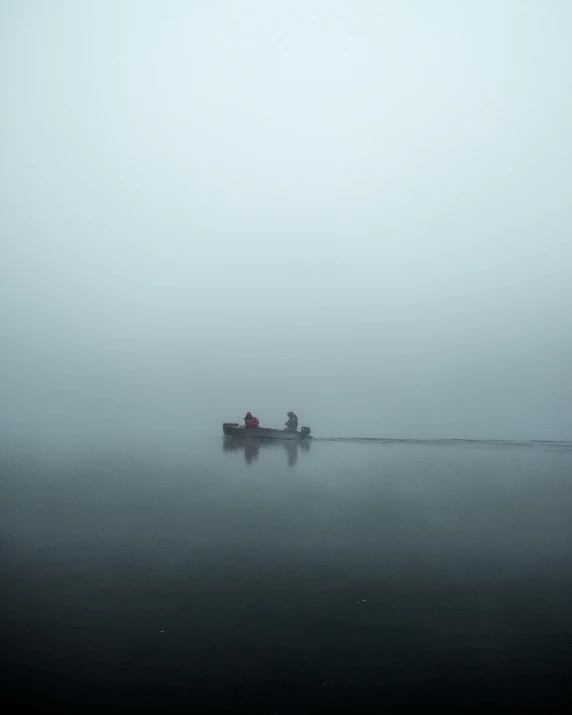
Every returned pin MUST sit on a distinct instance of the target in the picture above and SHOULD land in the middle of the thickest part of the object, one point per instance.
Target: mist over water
(357, 211)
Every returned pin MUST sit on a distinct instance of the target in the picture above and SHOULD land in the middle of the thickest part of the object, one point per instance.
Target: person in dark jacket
(251, 422)
(292, 423)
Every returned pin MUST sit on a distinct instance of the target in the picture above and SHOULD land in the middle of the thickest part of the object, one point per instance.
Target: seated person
(292, 423)
(251, 422)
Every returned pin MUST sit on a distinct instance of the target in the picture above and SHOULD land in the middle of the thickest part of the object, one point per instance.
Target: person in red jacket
(251, 422)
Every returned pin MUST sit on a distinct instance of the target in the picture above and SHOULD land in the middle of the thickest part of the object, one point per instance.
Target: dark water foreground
(339, 577)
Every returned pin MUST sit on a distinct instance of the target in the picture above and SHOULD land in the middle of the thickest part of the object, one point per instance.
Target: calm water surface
(341, 576)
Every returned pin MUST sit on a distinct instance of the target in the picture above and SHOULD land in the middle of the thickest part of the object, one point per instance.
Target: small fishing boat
(233, 429)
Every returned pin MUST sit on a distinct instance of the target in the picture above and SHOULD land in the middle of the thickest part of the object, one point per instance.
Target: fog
(358, 211)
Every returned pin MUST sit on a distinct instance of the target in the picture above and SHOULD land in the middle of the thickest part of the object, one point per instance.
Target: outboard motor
(305, 432)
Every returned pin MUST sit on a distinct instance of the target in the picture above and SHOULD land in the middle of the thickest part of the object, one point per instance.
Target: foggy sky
(357, 210)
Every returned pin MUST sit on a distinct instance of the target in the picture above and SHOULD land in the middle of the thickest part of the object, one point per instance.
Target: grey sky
(331, 207)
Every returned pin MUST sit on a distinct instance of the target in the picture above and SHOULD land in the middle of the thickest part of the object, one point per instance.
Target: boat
(233, 429)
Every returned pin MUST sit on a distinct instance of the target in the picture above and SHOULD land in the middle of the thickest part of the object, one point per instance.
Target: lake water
(351, 576)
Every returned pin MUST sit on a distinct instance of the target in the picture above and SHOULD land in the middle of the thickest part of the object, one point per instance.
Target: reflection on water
(251, 448)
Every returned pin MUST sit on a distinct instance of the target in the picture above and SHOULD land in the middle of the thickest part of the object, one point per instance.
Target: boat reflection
(251, 448)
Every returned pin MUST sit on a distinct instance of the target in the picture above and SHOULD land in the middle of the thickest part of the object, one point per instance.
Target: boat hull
(238, 432)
